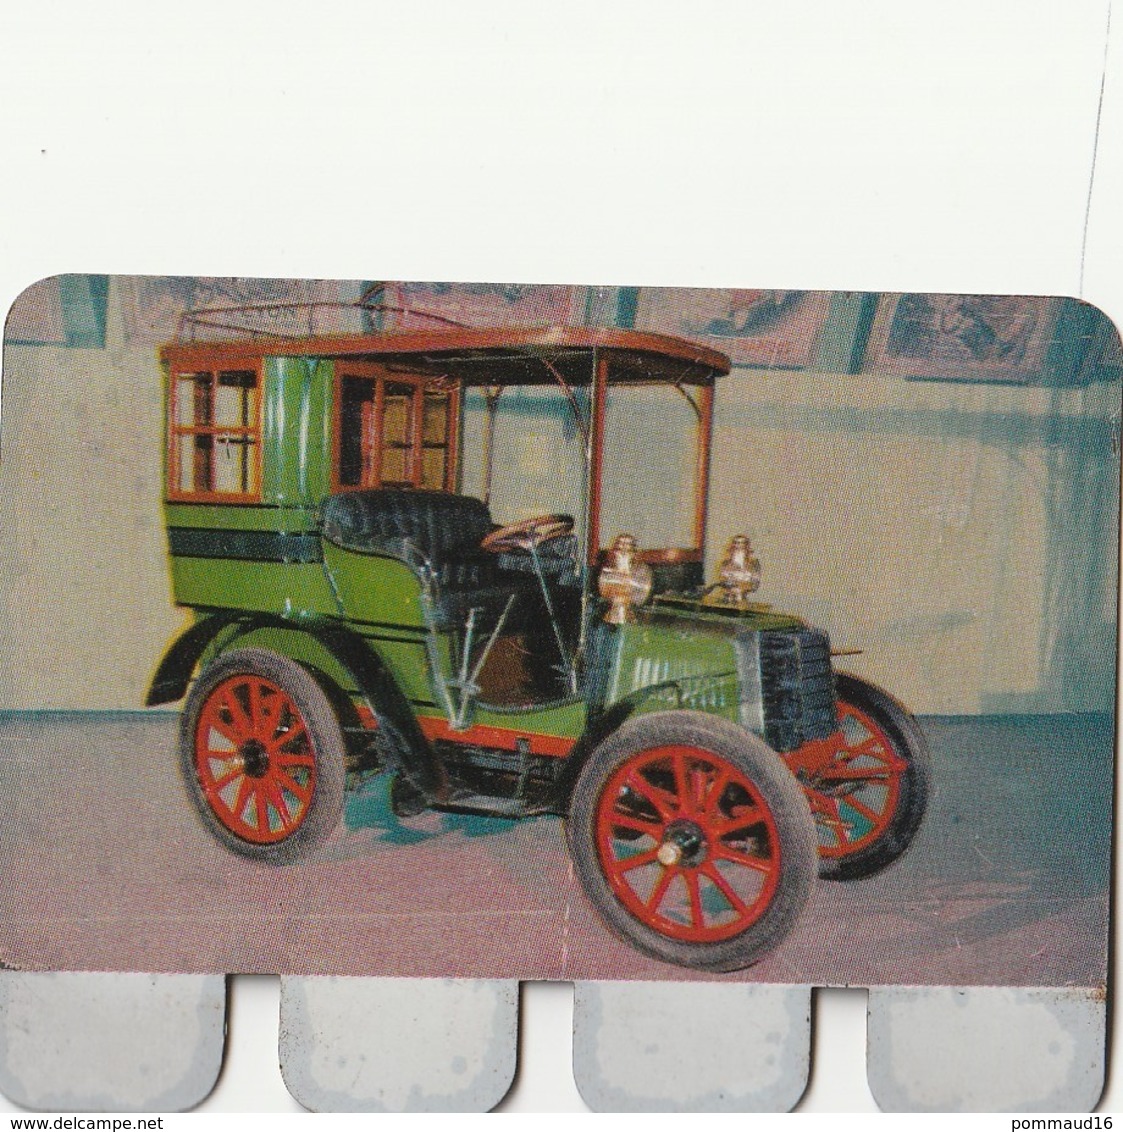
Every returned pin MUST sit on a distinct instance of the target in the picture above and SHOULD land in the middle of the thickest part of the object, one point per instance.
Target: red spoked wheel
(262, 754)
(687, 844)
(255, 759)
(693, 840)
(867, 784)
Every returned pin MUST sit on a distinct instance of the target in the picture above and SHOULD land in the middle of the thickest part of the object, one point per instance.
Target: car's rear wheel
(261, 752)
(867, 784)
(693, 840)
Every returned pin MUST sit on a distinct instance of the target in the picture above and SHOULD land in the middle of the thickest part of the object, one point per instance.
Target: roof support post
(702, 473)
(595, 458)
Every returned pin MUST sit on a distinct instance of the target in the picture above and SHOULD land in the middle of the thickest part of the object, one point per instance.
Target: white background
(860, 145)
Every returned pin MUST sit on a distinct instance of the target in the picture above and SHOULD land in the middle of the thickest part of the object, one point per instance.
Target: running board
(492, 805)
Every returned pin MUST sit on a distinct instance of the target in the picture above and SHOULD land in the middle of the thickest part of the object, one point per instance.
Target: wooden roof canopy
(487, 356)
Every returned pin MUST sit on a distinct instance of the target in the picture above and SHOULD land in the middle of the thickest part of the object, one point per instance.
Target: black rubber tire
(909, 745)
(778, 788)
(325, 811)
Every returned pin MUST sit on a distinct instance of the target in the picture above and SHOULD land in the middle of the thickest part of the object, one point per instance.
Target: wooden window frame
(176, 432)
(371, 467)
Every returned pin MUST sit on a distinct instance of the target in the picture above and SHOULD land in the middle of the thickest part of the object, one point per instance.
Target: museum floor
(106, 866)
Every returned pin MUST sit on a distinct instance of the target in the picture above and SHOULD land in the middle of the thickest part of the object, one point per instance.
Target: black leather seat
(434, 532)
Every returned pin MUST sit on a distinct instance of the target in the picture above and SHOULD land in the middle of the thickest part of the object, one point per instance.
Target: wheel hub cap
(684, 843)
(255, 759)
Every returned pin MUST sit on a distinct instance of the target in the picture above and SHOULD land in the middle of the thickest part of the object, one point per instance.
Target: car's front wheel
(693, 840)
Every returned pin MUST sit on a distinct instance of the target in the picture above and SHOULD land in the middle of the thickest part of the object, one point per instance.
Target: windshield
(650, 463)
(537, 454)
(525, 455)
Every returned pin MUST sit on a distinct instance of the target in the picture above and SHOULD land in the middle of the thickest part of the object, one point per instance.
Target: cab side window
(215, 434)
(394, 432)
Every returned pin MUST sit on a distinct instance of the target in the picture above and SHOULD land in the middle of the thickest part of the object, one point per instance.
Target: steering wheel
(528, 534)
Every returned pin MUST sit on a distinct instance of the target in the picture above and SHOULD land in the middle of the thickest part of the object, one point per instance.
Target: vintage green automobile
(355, 612)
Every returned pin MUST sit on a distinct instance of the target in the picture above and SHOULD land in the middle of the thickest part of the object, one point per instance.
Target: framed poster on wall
(153, 307)
(427, 306)
(993, 338)
(761, 329)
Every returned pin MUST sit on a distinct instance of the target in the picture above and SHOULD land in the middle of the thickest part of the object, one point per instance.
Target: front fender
(673, 695)
(174, 673)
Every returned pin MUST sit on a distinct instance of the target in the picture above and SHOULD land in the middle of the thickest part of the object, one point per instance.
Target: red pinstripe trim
(485, 735)
(482, 735)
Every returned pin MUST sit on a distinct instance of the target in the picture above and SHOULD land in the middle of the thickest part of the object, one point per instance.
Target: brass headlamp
(624, 581)
(739, 575)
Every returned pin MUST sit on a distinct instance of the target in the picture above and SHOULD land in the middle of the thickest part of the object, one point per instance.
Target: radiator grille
(797, 687)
